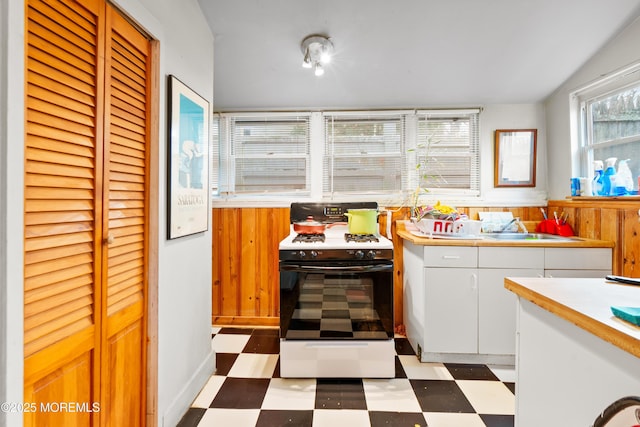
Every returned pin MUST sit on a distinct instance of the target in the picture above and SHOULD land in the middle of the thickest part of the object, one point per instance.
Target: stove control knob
(371, 255)
(302, 254)
(314, 254)
(359, 254)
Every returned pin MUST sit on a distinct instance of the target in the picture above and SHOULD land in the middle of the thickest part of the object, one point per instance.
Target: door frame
(153, 237)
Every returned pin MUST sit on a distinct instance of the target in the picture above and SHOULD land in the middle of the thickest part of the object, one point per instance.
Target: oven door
(336, 300)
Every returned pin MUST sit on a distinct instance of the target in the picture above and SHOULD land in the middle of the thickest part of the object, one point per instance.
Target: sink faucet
(507, 225)
(517, 221)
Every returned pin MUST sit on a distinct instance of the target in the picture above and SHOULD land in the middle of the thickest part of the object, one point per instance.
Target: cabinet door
(451, 310)
(497, 309)
(596, 274)
(630, 243)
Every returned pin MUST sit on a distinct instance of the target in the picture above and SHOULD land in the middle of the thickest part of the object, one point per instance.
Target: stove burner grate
(360, 238)
(309, 238)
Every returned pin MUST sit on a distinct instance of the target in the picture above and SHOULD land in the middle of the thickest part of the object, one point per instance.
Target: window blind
(267, 154)
(364, 153)
(447, 150)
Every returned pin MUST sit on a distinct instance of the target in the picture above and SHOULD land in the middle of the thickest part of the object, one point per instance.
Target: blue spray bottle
(597, 178)
(609, 177)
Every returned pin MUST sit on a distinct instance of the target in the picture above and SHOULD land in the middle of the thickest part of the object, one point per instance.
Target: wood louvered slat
(128, 142)
(120, 111)
(120, 185)
(37, 130)
(32, 218)
(41, 192)
(43, 268)
(125, 79)
(35, 205)
(36, 155)
(43, 95)
(117, 122)
(127, 149)
(46, 338)
(56, 276)
(58, 88)
(76, 117)
(128, 134)
(38, 312)
(59, 172)
(46, 292)
(66, 61)
(129, 247)
(35, 257)
(126, 222)
(133, 59)
(41, 143)
(48, 118)
(58, 228)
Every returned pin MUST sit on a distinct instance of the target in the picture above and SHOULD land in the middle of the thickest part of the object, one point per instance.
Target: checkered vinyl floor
(246, 390)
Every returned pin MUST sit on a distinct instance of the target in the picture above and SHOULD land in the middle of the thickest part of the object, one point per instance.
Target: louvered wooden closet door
(86, 177)
(125, 216)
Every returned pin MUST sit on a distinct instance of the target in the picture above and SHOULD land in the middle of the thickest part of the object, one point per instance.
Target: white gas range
(336, 298)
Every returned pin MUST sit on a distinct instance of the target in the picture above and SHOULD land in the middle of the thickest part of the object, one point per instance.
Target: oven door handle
(356, 268)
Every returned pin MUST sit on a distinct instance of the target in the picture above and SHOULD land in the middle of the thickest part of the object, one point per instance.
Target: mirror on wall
(515, 158)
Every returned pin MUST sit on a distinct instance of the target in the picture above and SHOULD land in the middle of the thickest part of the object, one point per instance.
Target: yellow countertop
(409, 232)
(585, 303)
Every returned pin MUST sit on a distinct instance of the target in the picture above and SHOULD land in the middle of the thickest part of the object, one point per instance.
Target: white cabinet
(577, 262)
(456, 308)
(451, 314)
(496, 305)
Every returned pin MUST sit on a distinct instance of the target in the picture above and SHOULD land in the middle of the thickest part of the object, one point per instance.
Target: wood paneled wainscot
(245, 265)
(245, 277)
(613, 218)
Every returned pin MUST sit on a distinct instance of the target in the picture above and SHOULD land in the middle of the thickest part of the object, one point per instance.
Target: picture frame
(187, 161)
(515, 157)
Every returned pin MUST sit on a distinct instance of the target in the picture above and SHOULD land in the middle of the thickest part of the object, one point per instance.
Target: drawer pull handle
(450, 256)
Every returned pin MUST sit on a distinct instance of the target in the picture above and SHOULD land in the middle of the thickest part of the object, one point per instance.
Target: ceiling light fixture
(317, 52)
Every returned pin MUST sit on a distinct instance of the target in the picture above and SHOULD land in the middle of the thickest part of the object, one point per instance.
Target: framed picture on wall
(188, 161)
(515, 158)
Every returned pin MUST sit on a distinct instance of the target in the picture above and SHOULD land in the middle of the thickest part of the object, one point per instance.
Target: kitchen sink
(526, 236)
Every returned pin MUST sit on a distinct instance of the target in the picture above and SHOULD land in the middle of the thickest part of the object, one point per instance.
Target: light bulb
(318, 69)
(325, 57)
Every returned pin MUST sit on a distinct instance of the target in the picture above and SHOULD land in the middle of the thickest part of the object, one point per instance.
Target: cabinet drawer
(450, 256)
(503, 257)
(577, 258)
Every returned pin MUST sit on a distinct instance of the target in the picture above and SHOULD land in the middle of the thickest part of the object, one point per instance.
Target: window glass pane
(259, 176)
(363, 154)
(616, 116)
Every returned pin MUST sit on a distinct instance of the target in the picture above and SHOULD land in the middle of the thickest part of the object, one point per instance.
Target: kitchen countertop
(405, 227)
(585, 303)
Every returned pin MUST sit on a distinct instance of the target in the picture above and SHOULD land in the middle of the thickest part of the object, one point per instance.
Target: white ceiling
(405, 53)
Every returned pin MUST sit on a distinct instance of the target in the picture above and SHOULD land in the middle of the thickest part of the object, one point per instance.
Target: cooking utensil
(309, 226)
(362, 221)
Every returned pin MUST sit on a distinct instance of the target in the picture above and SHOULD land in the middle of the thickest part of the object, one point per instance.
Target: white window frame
(582, 145)
(329, 155)
(315, 160)
(228, 157)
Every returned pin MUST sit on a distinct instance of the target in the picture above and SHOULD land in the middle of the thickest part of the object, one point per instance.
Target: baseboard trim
(176, 410)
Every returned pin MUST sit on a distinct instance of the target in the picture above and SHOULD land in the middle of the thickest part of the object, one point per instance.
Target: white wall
(184, 306)
(11, 205)
(619, 52)
(512, 116)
